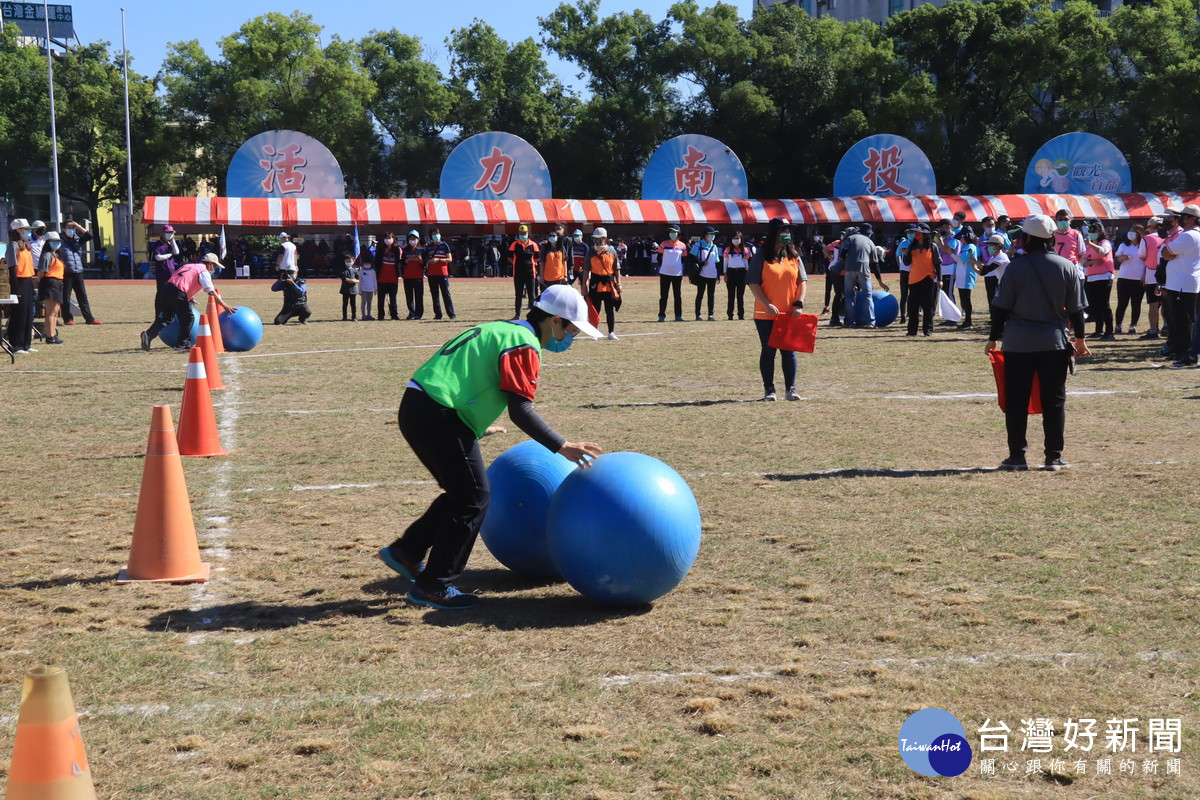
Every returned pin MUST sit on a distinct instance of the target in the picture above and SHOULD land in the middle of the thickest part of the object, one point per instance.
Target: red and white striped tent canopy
(285, 213)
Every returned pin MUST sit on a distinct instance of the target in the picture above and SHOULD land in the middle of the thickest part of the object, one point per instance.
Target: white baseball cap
(566, 302)
(212, 258)
(1038, 225)
(283, 235)
(18, 224)
(599, 233)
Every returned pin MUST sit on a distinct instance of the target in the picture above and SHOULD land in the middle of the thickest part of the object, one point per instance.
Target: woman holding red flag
(777, 280)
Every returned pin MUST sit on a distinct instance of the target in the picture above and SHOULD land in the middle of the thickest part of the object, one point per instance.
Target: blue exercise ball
(170, 334)
(625, 531)
(523, 480)
(241, 330)
(887, 307)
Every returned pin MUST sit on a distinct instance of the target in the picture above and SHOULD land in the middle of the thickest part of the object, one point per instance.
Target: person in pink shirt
(1068, 241)
(1153, 242)
(188, 281)
(1098, 272)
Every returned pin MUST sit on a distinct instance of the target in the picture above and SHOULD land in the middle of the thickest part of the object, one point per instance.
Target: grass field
(861, 560)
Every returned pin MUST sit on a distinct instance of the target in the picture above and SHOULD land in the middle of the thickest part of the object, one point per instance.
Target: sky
(153, 24)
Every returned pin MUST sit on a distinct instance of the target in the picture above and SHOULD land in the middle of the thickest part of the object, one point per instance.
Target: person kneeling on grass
(448, 405)
(295, 297)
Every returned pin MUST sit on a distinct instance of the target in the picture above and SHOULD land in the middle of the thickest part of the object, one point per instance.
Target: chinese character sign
(1078, 163)
(31, 19)
(284, 164)
(694, 167)
(495, 166)
(884, 165)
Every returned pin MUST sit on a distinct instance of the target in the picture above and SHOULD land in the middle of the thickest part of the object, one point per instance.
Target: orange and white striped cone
(197, 422)
(48, 760)
(164, 547)
(213, 312)
(205, 343)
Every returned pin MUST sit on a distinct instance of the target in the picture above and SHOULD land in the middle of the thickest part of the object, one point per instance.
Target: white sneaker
(20, 352)
(612, 337)
(792, 394)
(769, 397)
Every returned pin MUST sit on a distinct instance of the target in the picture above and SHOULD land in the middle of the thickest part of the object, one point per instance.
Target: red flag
(1035, 394)
(593, 314)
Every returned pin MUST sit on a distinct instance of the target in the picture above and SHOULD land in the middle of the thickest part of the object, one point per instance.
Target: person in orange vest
(602, 277)
(186, 283)
(777, 279)
(523, 257)
(552, 269)
(51, 270)
(20, 259)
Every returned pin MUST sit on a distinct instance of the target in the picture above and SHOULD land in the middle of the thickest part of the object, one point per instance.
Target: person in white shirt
(1131, 274)
(1182, 287)
(670, 272)
(737, 258)
(286, 260)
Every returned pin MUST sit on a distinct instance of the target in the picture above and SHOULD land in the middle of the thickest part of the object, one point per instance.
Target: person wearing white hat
(451, 402)
(601, 279)
(285, 259)
(51, 271)
(186, 283)
(1182, 286)
(22, 271)
(1040, 295)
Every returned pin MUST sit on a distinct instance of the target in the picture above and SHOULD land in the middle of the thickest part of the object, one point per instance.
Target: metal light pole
(128, 148)
(55, 204)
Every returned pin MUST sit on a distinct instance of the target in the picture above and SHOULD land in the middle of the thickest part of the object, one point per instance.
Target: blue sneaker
(401, 565)
(449, 599)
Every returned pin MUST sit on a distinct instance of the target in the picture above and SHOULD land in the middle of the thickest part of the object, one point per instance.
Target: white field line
(390, 347)
(214, 533)
(189, 711)
(833, 473)
(89, 371)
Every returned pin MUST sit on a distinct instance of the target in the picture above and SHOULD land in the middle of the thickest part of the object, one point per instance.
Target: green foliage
(979, 85)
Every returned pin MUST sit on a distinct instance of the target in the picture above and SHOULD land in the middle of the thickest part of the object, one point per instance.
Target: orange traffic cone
(214, 324)
(48, 760)
(164, 546)
(205, 343)
(197, 422)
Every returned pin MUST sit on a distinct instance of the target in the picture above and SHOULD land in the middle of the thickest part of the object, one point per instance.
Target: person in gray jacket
(860, 261)
(74, 240)
(1040, 297)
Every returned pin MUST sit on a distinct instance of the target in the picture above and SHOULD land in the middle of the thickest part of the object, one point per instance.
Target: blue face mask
(55, 245)
(560, 345)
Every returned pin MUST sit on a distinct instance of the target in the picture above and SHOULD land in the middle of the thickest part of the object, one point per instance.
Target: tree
(24, 116)
(503, 88)
(413, 106)
(89, 100)
(273, 74)
(629, 62)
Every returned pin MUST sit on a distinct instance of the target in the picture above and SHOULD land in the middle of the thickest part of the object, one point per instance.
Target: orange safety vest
(555, 267)
(779, 285)
(25, 264)
(602, 268)
(57, 268)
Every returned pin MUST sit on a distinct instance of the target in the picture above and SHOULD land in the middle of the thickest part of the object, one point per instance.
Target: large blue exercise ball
(241, 330)
(523, 480)
(170, 334)
(887, 307)
(625, 531)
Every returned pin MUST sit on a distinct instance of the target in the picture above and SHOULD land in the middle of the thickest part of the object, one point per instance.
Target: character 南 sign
(284, 164)
(694, 167)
